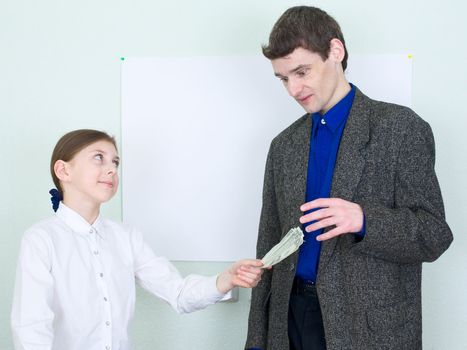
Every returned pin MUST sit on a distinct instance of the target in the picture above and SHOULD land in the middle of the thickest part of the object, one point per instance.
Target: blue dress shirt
(326, 134)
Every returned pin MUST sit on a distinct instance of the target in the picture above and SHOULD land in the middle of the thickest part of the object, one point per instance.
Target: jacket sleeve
(32, 316)
(268, 235)
(414, 230)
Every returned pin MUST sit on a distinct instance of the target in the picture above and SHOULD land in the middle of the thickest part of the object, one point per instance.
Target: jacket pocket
(391, 316)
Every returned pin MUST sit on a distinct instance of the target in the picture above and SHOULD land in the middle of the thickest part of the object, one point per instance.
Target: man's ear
(336, 50)
(61, 170)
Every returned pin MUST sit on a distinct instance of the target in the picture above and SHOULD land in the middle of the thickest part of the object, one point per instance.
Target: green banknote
(289, 244)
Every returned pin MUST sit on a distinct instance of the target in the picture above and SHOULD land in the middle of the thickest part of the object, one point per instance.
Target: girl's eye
(117, 163)
(99, 156)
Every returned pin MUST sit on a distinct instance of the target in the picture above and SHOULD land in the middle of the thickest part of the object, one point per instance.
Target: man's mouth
(304, 99)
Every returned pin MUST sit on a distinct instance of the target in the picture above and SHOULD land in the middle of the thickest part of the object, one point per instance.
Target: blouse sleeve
(32, 315)
(160, 277)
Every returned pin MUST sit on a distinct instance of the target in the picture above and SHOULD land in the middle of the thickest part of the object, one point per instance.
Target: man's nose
(295, 88)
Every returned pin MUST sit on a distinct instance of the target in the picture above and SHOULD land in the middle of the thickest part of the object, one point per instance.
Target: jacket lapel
(296, 170)
(350, 162)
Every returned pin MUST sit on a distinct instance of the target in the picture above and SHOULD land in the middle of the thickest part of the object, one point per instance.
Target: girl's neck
(89, 211)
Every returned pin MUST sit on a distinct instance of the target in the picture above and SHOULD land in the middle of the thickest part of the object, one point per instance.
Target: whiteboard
(195, 136)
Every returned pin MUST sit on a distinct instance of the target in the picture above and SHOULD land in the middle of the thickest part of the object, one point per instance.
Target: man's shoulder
(387, 110)
(292, 129)
(389, 114)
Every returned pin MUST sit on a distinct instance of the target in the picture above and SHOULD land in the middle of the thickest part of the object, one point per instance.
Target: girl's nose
(112, 169)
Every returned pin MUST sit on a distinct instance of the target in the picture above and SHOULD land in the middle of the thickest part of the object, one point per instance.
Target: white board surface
(195, 135)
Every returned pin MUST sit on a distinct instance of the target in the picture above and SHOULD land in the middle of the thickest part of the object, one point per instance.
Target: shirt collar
(77, 223)
(338, 114)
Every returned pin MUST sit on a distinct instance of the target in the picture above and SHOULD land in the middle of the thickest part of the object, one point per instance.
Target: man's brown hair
(304, 26)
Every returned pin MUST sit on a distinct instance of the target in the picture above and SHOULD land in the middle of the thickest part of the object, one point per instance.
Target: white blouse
(75, 284)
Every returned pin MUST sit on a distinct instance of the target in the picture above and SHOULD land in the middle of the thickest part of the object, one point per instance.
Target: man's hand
(347, 217)
(244, 273)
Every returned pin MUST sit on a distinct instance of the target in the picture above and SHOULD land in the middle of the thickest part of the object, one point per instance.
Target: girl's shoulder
(41, 233)
(43, 227)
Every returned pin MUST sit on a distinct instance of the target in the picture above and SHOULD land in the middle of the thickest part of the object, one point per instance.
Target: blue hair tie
(55, 199)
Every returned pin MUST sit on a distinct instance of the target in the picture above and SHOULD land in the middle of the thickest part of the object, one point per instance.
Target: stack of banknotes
(289, 244)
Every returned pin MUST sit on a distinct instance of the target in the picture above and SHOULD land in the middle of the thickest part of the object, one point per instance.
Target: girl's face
(92, 174)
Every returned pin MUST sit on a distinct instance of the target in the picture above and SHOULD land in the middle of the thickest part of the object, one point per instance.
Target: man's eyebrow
(294, 70)
(300, 66)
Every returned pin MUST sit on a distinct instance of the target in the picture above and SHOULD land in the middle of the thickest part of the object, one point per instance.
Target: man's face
(312, 82)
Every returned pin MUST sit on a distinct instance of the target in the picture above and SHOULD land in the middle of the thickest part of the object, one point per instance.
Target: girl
(75, 282)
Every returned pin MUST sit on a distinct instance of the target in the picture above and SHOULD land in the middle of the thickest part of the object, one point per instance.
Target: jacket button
(292, 267)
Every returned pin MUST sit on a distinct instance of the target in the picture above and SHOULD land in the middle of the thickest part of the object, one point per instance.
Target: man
(373, 210)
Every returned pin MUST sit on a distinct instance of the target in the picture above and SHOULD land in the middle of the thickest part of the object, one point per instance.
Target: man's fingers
(330, 234)
(321, 224)
(320, 203)
(316, 215)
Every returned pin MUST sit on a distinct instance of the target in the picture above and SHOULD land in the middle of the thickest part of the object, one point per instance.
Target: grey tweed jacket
(369, 291)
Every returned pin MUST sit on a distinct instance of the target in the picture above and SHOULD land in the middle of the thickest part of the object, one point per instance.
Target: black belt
(301, 286)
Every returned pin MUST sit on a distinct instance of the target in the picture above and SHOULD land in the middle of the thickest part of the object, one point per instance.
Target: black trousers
(306, 331)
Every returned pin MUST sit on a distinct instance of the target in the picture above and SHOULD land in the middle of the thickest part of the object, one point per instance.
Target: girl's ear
(61, 170)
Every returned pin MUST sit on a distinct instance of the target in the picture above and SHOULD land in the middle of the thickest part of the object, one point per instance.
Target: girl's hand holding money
(244, 273)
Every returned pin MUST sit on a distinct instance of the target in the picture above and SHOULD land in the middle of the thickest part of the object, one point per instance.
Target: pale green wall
(60, 70)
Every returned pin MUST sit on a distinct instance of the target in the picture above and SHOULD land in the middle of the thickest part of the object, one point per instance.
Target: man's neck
(342, 89)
